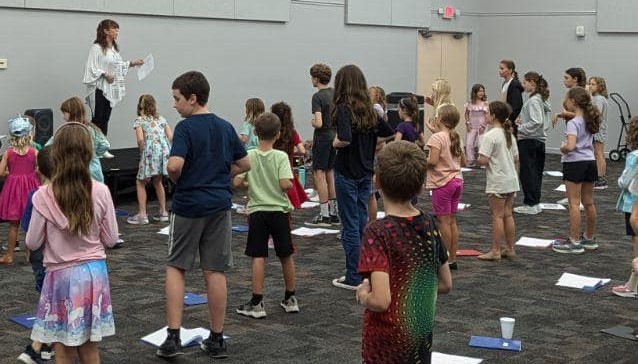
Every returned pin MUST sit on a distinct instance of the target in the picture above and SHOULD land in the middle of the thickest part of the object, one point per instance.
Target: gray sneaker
(290, 305)
(567, 247)
(6, 247)
(250, 310)
(588, 244)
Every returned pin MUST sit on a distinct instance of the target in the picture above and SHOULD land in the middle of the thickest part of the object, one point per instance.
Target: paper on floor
(552, 206)
(580, 282)
(463, 206)
(165, 230)
(534, 242)
(464, 169)
(561, 188)
(304, 231)
(553, 173)
(440, 358)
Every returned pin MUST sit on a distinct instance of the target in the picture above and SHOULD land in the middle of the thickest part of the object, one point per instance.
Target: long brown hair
(284, 112)
(147, 106)
(100, 37)
(254, 107)
(581, 98)
(71, 183)
(449, 117)
(351, 90)
(510, 66)
(632, 134)
(77, 112)
(540, 82)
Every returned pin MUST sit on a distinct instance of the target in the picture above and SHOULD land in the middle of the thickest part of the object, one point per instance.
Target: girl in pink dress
(19, 165)
(476, 111)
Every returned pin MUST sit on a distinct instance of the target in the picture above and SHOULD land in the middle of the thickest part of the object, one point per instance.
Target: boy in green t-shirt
(269, 215)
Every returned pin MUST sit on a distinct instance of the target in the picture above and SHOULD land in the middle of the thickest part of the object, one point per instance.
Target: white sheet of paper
(552, 206)
(463, 206)
(165, 230)
(146, 69)
(304, 231)
(380, 214)
(576, 281)
(440, 358)
(309, 204)
(463, 169)
(553, 173)
(534, 242)
(561, 188)
(187, 336)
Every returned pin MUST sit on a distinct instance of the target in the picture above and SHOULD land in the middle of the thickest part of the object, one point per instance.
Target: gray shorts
(601, 136)
(210, 236)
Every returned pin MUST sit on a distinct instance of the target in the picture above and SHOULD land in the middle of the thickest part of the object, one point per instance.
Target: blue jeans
(352, 197)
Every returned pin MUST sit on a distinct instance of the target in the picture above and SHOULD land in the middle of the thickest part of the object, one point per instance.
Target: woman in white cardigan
(104, 73)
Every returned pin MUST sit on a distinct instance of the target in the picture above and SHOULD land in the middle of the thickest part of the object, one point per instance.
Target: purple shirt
(584, 150)
(408, 131)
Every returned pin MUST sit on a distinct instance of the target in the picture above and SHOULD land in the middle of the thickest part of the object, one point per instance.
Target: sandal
(6, 259)
(491, 256)
(624, 291)
(508, 254)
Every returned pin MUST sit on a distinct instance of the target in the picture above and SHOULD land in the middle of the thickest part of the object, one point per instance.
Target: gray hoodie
(535, 117)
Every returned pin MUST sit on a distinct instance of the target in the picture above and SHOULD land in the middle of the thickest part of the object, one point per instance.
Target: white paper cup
(507, 327)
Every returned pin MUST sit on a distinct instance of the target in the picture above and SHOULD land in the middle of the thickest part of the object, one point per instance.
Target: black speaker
(393, 107)
(43, 124)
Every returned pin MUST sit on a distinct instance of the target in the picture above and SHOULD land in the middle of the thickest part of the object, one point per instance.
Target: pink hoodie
(49, 226)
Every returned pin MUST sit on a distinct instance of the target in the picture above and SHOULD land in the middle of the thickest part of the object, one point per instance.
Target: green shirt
(266, 169)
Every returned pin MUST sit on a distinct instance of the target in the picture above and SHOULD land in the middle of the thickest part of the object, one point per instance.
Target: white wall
(47, 49)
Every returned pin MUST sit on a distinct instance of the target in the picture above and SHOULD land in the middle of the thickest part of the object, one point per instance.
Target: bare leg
(599, 153)
(175, 296)
(217, 294)
(288, 268)
(140, 188)
(321, 185)
(330, 183)
(497, 205)
(259, 272)
(89, 353)
(510, 225)
(587, 196)
(454, 228)
(573, 197)
(159, 191)
(65, 354)
(12, 237)
(633, 221)
(445, 228)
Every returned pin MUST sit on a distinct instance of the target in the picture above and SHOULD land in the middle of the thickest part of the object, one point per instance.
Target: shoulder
(100, 189)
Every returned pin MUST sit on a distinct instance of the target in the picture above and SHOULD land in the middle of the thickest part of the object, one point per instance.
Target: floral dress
(154, 155)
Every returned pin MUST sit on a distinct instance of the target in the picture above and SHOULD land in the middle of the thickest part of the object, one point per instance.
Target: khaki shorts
(209, 236)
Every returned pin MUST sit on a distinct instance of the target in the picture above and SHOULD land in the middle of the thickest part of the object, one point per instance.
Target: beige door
(443, 55)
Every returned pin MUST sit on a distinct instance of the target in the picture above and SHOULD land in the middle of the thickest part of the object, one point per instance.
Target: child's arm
(239, 166)
(300, 148)
(483, 160)
(569, 144)
(3, 165)
(397, 136)
(108, 225)
(240, 180)
(169, 133)
(102, 144)
(37, 231)
(421, 140)
(139, 136)
(433, 156)
(317, 120)
(629, 173)
(285, 184)
(376, 296)
(445, 279)
(463, 161)
(284, 172)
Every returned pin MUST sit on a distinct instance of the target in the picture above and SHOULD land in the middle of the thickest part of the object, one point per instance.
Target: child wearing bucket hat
(19, 165)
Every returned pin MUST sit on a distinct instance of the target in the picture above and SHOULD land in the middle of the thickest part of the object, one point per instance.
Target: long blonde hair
(441, 93)
(71, 183)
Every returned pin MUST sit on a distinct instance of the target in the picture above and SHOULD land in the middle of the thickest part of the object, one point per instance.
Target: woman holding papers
(104, 73)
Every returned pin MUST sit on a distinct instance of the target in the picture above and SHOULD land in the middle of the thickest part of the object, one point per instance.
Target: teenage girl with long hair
(444, 178)
(290, 142)
(579, 171)
(512, 90)
(358, 131)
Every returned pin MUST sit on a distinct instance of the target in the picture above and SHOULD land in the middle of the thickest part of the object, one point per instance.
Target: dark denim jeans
(352, 196)
(531, 154)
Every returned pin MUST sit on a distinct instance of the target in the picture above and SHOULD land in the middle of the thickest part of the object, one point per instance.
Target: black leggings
(102, 112)
(531, 154)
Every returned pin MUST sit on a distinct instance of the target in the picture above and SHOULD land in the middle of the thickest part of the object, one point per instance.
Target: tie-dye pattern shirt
(410, 251)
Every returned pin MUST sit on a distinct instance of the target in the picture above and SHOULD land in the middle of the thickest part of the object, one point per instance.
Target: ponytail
(592, 118)
(541, 84)
(455, 144)
(449, 117)
(507, 131)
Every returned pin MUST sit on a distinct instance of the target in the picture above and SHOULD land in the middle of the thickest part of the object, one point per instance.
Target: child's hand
(109, 78)
(363, 290)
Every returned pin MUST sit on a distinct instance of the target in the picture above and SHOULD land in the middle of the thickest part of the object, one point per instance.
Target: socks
(332, 206)
(325, 206)
(173, 332)
(256, 299)
(288, 294)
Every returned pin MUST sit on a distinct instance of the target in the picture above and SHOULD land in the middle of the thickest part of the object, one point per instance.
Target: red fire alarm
(448, 12)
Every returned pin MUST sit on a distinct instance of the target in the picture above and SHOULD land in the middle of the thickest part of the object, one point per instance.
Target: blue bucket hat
(19, 126)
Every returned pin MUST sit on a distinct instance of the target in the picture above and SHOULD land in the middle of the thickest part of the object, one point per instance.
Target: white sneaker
(528, 210)
(563, 201)
(107, 155)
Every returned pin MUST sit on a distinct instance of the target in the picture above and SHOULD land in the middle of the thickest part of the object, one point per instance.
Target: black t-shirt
(356, 160)
(322, 101)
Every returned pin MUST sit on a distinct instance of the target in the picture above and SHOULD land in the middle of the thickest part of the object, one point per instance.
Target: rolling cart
(621, 150)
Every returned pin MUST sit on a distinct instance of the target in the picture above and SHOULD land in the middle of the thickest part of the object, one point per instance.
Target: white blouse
(100, 63)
